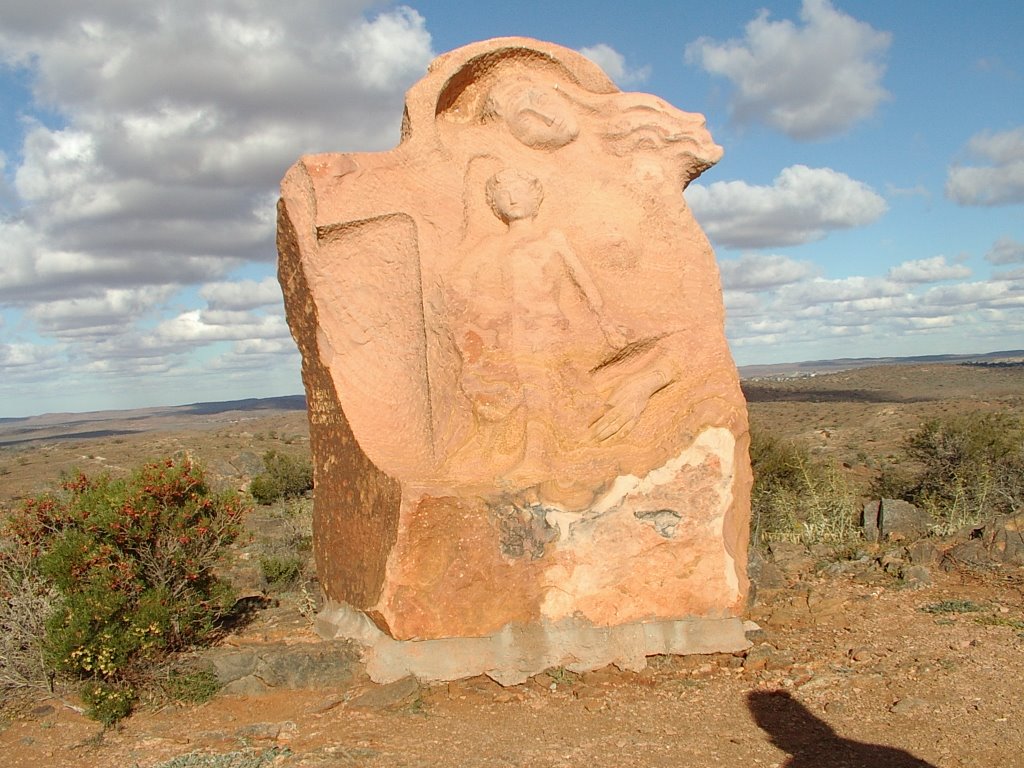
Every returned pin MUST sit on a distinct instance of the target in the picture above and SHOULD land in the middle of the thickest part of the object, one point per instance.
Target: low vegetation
(798, 497)
(284, 477)
(103, 579)
(963, 469)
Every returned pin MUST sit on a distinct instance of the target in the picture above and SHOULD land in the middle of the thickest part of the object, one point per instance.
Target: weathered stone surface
(523, 412)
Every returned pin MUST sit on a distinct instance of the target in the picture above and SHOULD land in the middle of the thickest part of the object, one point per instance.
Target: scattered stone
(917, 575)
(268, 731)
(758, 656)
(908, 705)
(388, 696)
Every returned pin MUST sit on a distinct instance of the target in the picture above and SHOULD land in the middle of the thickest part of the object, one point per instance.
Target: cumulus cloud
(875, 316)
(809, 81)
(1000, 181)
(178, 127)
(614, 64)
(1006, 250)
(933, 270)
(152, 162)
(242, 294)
(755, 272)
(802, 204)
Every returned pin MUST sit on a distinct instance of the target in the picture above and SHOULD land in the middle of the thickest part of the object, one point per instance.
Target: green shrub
(283, 477)
(190, 686)
(131, 563)
(797, 497)
(963, 469)
(107, 702)
(281, 571)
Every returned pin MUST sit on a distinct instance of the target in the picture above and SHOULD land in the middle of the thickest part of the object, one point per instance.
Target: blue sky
(870, 201)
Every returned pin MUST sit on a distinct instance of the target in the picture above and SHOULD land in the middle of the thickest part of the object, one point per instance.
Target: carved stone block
(526, 425)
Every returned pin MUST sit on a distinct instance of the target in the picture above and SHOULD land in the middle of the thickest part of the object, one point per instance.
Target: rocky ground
(850, 668)
(899, 657)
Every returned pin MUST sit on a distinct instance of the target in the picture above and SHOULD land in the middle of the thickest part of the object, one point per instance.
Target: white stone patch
(713, 440)
(718, 442)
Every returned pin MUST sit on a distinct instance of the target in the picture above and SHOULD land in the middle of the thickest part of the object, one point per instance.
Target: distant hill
(813, 367)
(52, 426)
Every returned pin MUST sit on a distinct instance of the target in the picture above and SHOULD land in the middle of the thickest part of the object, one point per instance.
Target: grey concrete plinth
(518, 652)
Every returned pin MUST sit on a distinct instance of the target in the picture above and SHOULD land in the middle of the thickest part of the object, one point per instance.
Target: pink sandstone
(525, 419)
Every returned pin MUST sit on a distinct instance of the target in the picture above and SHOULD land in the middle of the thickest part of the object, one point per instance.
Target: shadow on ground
(812, 743)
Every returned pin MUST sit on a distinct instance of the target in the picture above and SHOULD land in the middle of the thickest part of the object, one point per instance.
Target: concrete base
(518, 652)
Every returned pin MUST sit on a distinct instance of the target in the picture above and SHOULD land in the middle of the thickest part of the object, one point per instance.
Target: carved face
(514, 195)
(540, 117)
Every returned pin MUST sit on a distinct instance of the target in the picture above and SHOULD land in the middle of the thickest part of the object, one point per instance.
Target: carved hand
(624, 406)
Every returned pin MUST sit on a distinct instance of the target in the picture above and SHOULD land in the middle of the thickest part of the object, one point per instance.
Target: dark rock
(792, 558)
(388, 696)
(869, 520)
(250, 672)
(917, 575)
(895, 520)
(922, 552)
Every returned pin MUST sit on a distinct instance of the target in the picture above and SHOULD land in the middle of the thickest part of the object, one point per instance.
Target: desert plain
(851, 665)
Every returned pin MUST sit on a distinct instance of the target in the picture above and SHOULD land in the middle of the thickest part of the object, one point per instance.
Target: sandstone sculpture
(529, 441)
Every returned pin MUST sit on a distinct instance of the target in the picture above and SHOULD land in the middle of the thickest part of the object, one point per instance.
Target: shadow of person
(813, 743)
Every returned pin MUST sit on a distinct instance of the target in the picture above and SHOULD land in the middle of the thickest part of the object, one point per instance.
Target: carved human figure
(517, 299)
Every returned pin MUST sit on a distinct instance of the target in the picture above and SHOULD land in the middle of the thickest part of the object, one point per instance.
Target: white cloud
(874, 316)
(180, 125)
(801, 205)
(242, 294)
(155, 164)
(109, 313)
(808, 81)
(1006, 250)
(933, 270)
(755, 272)
(614, 64)
(820, 290)
(207, 327)
(1000, 181)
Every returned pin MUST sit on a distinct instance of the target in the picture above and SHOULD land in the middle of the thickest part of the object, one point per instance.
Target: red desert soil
(850, 670)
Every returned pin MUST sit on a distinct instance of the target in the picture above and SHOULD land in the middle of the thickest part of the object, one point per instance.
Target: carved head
(514, 195)
(539, 116)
